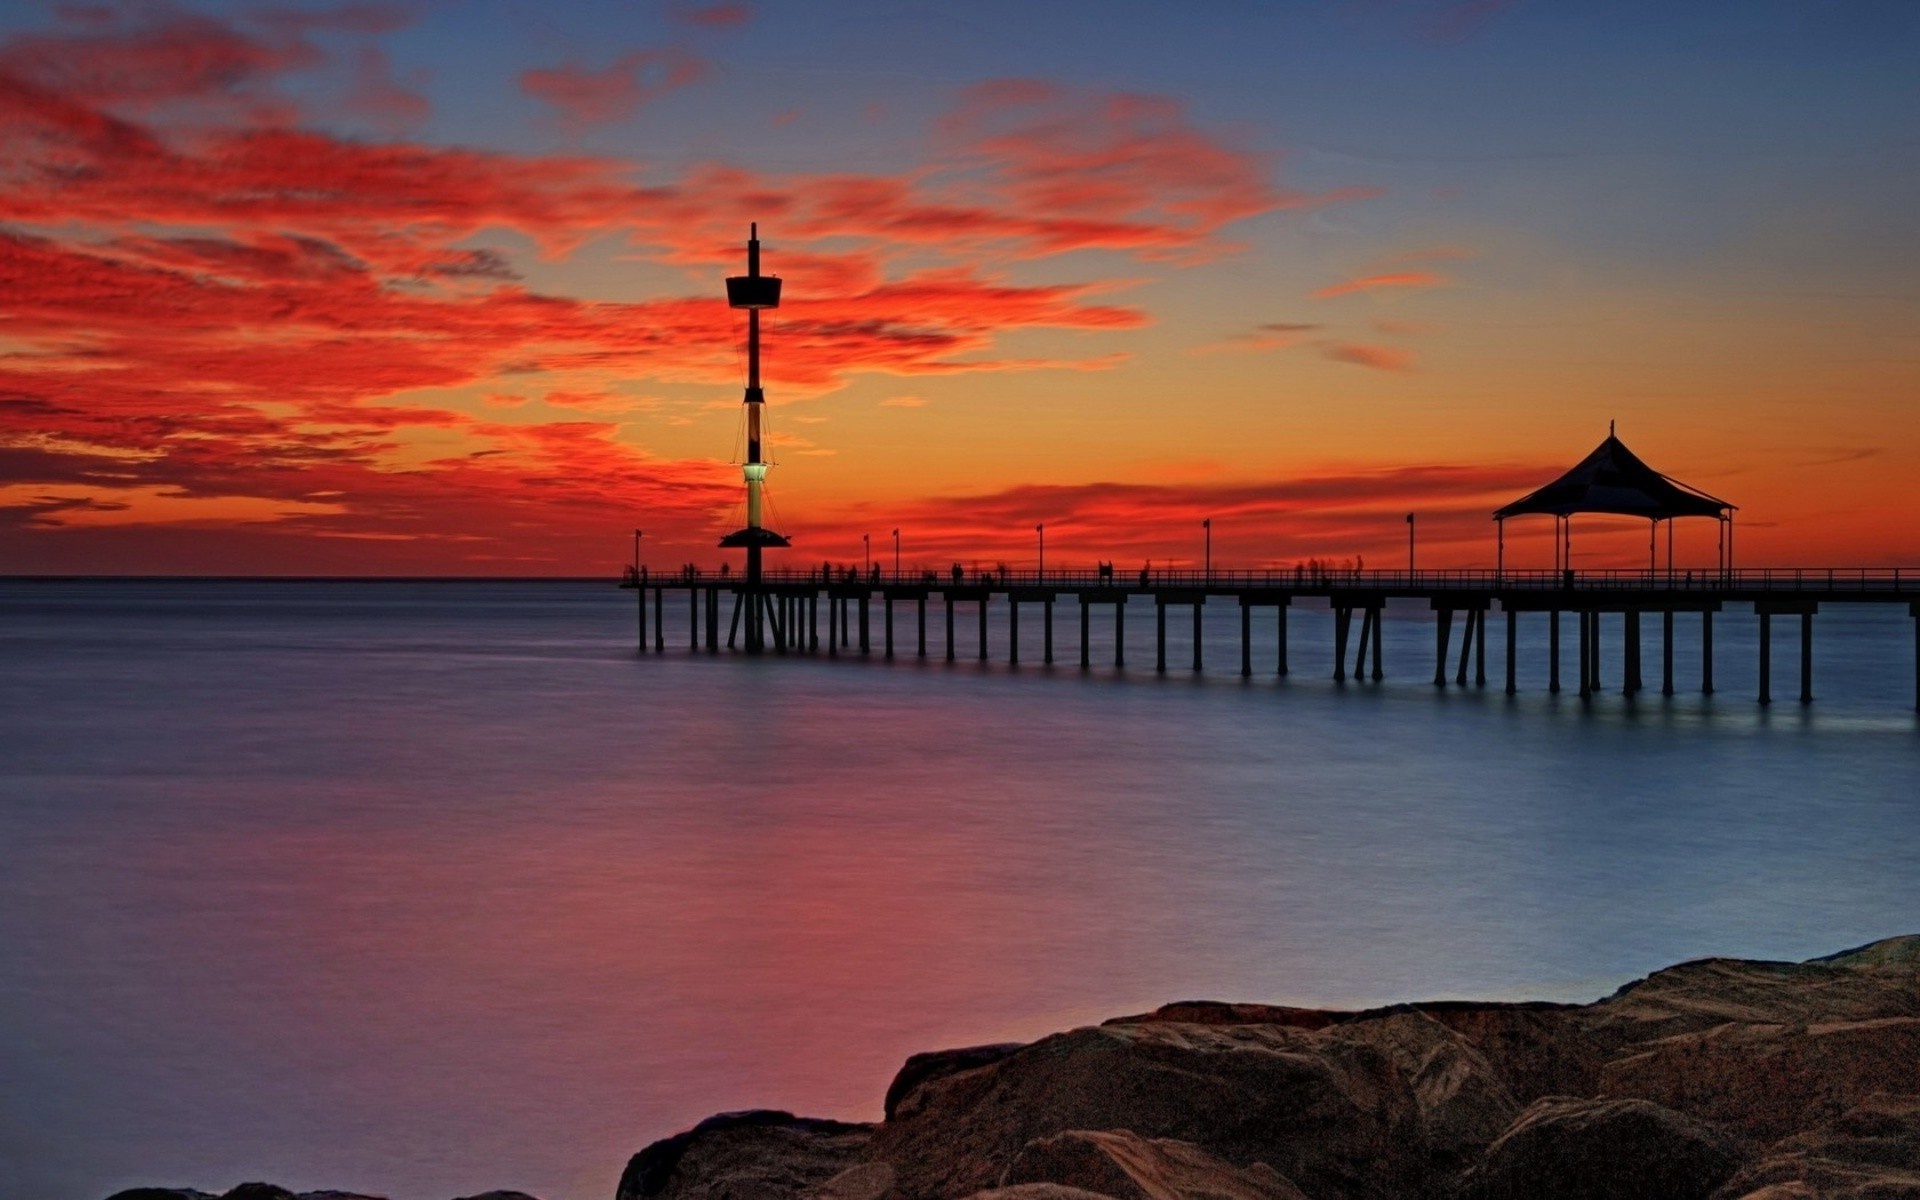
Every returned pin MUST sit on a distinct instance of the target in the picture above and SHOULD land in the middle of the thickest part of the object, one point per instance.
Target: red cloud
(598, 97)
(209, 303)
(714, 16)
(1392, 279)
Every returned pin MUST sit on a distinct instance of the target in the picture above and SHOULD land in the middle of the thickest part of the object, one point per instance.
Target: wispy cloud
(615, 93)
(1360, 354)
(1389, 279)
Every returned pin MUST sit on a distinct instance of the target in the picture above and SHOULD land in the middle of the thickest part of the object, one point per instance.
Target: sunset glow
(437, 289)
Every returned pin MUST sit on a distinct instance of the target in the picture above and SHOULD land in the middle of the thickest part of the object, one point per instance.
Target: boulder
(1574, 1149)
(923, 1068)
(1865, 983)
(1037, 1191)
(744, 1156)
(1333, 1116)
(1126, 1167)
(1771, 1081)
(1872, 1150)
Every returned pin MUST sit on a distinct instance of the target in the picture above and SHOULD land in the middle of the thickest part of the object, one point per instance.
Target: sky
(435, 288)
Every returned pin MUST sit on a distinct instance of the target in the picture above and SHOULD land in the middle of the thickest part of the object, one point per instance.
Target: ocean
(421, 889)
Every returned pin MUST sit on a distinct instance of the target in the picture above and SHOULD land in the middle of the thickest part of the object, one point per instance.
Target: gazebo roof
(1613, 480)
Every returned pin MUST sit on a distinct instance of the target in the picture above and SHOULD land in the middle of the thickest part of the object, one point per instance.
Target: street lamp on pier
(1409, 547)
(1207, 525)
(1041, 574)
(866, 553)
(896, 556)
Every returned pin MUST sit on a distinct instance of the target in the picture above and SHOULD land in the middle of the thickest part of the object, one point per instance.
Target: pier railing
(1887, 581)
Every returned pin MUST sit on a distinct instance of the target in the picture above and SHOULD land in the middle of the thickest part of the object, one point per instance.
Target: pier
(862, 614)
(780, 612)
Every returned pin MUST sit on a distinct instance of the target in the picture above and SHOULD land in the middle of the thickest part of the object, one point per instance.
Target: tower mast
(753, 292)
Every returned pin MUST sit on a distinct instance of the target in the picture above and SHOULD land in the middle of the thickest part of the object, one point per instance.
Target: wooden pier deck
(787, 617)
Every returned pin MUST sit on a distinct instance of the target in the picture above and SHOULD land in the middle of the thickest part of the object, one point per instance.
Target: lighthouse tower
(753, 292)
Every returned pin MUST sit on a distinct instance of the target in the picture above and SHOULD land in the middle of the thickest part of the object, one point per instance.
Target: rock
(745, 1156)
(153, 1193)
(258, 1191)
(1772, 1080)
(1118, 1164)
(1037, 1191)
(1872, 1150)
(1862, 984)
(1333, 1116)
(1574, 1149)
(923, 1068)
(1215, 1012)
(495, 1195)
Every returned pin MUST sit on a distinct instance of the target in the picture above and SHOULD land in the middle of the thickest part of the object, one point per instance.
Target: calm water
(426, 889)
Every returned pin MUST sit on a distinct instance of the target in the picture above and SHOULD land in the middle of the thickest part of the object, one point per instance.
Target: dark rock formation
(1575, 1149)
(1119, 1165)
(1724, 1078)
(745, 1156)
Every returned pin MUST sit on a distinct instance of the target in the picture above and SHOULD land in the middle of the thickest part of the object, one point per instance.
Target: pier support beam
(1342, 622)
(1120, 632)
(1766, 657)
(1160, 635)
(1442, 634)
(1198, 606)
(1512, 685)
(1706, 653)
(1379, 632)
(1046, 627)
(1630, 652)
(1913, 611)
(813, 621)
(1666, 652)
(1466, 648)
(920, 627)
(1366, 640)
(983, 626)
(1586, 653)
(947, 603)
(659, 620)
(866, 645)
(1553, 651)
(1282, 619)
(1013, 631)
(888, 616)
(1246, 638)
(1806, 658)
(1086, 621)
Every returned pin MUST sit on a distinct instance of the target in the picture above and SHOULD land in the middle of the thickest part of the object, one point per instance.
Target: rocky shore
(1719, 1079)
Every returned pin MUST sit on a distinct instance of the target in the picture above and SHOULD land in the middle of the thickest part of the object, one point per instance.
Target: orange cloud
(1392, 279)
(1380, 358)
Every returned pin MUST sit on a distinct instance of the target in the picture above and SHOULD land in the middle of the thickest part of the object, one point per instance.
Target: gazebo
(1613, 479)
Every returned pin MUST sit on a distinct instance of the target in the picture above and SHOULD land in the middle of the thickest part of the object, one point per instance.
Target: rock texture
(1720, 1079)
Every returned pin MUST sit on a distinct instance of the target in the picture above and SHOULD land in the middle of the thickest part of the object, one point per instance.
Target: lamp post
(1208, 526)
(866, 552)
(896, 556)
(1041, 575)
(1409, 547)
(639, 592)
